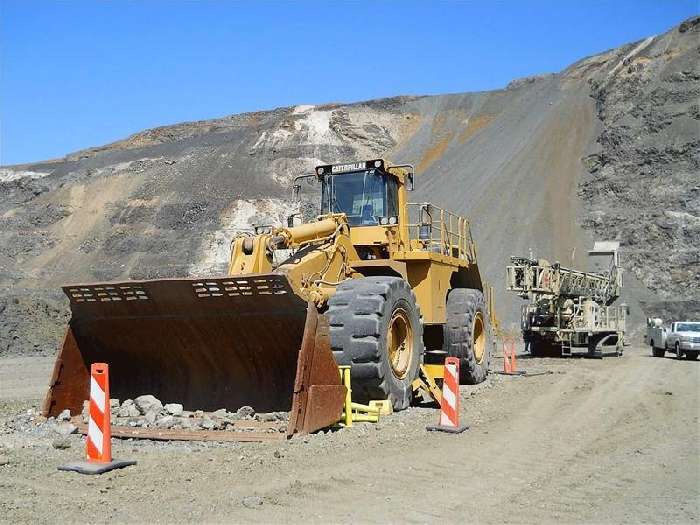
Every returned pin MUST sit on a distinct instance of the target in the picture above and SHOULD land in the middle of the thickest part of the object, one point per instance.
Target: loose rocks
(166, 421)
(174, 409)
(148, 403)
(208, 424)
(245, 412)
(147, 411)
(128, 409)
(65, 428)
(61, 443)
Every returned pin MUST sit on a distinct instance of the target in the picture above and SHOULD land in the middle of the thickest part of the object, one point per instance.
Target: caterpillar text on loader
(374, 282)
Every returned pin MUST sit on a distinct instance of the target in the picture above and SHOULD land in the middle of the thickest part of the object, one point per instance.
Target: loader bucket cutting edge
(207, 344)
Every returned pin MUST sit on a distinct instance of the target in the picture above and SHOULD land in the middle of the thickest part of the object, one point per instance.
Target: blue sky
(78, 74)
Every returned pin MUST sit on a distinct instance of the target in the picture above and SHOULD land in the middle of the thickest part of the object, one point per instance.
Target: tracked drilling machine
(373, 282)
(570, 309)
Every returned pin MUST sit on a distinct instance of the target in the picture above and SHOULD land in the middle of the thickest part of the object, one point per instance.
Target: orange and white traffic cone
(99, 434)
(449, 405)
(510, 365)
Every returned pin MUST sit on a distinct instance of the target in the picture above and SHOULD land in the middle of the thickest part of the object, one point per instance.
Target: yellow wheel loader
(374, 282)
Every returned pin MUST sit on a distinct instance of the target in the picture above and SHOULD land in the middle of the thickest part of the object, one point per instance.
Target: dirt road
(605, 441)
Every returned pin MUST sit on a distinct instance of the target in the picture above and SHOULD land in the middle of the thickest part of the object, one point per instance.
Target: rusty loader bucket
(207, 344)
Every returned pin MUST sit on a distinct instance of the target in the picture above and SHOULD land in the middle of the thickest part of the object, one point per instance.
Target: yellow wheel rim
(400, 343)
(479, 338)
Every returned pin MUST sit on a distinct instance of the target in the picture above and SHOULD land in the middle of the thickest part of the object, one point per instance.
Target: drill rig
(570, 309)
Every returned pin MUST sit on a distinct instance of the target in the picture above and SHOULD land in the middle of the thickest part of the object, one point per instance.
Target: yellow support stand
(345, 378)
(383, 405)
(358, 412)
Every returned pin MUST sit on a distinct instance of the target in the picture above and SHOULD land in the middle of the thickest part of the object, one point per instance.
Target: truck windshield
(365, 197)
(688, 327)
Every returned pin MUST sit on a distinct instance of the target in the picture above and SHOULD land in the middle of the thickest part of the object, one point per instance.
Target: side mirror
(411, 185)
(295, 192)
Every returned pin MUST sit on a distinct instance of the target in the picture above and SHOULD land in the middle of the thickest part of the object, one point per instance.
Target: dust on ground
(611, 440)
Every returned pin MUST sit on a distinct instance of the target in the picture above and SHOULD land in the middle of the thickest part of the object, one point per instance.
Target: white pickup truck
(682, 338)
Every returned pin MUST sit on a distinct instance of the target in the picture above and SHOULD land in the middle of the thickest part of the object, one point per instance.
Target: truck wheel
(657, 352)
(679, 352)
(375, 328)
(692, 355)
(467, 334)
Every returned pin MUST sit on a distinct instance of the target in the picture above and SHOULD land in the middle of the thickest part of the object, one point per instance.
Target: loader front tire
(467, 334)
(375, 328)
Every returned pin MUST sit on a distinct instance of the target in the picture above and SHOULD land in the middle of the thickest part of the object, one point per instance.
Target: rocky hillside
(644, 180)
(608, 148)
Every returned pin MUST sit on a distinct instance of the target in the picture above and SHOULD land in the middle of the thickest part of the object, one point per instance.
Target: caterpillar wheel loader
(374, 282)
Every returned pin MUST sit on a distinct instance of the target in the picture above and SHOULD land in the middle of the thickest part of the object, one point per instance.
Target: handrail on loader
(438, 230)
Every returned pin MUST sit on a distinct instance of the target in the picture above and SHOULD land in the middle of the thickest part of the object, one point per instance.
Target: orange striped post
(449, 405)
(510, 365)
(99, 435)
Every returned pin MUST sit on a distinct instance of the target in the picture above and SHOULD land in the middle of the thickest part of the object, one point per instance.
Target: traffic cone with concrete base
(99, 435)
(449, 405)
(510, 365)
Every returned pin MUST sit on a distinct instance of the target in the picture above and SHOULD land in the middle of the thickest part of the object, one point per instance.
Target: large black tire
(463, 329)
(692, 355)
(360, 315)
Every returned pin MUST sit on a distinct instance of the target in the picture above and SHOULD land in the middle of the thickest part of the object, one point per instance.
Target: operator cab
(364, 191)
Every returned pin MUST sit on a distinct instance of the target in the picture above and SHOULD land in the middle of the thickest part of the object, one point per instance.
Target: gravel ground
(605, 441)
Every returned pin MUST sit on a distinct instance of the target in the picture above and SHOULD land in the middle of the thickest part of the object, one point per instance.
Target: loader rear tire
(467, 334)
(375, 328)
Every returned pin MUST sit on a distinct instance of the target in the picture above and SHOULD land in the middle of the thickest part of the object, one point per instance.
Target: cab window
(365, 197)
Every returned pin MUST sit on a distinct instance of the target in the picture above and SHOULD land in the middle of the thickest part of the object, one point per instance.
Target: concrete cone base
(451, 430)
(86, 467)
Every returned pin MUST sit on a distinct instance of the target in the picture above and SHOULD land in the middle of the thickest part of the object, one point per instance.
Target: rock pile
(147, 411)
(31, 421)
